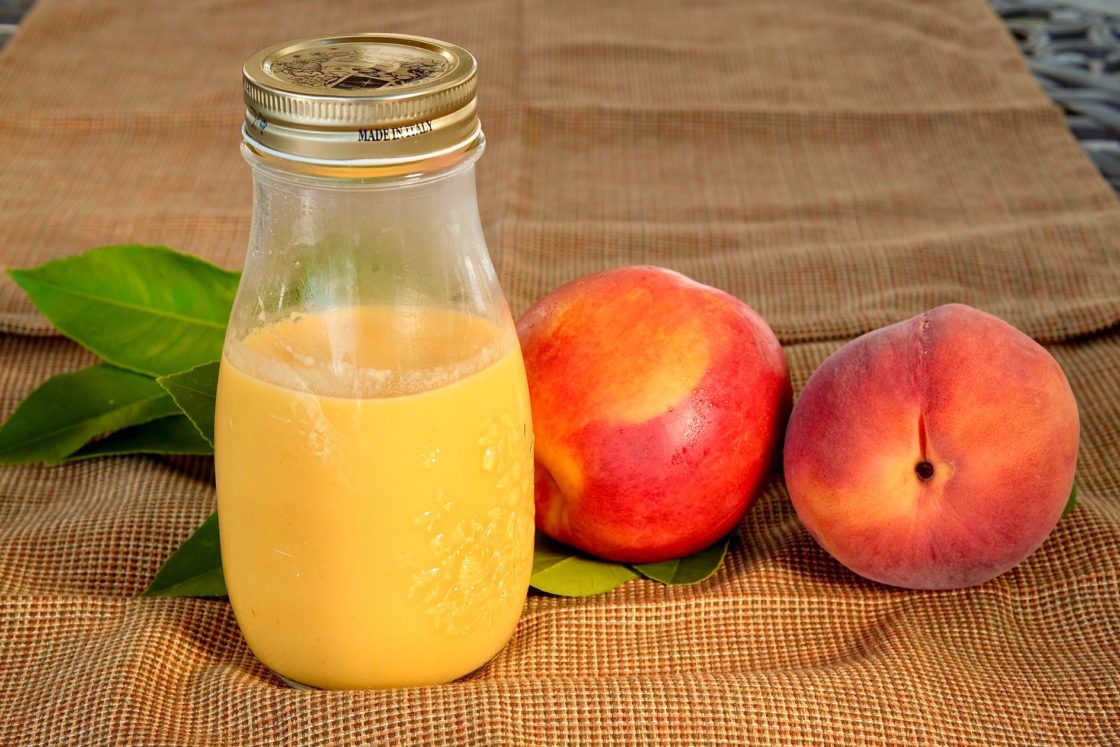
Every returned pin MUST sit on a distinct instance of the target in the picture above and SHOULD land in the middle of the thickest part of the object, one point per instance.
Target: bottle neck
(322, 242)
(430, 210)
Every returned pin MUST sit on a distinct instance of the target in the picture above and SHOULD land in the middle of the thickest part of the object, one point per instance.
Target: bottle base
(295, 685)
(292, 683)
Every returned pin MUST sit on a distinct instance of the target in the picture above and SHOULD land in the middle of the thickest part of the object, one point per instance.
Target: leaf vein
(152, 311)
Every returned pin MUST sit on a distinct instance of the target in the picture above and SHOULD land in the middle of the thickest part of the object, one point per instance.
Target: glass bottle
(373, 440)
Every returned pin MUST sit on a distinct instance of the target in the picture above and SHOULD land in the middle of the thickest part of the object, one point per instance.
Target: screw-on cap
(361, 99)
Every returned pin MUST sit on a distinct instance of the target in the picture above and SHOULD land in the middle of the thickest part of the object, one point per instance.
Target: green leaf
(1071, 502)
(195, 391)
(689, 570)
(175, 434)
(145, 308)
(195, 570)
(71, 408)
(561, 570)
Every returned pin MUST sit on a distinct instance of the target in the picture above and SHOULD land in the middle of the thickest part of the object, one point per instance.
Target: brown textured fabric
(838, 165)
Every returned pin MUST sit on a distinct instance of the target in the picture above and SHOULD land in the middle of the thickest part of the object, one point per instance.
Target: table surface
(839, 166)
(1073, 48)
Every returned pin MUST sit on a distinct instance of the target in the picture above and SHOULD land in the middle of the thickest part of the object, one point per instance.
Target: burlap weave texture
(837, 165)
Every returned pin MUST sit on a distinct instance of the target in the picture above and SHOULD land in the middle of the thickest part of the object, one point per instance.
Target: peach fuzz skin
(658, 405)
(936, 453)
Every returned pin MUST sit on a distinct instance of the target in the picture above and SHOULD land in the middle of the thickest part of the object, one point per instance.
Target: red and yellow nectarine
(658, 405)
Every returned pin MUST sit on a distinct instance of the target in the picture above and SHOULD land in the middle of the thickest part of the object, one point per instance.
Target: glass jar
(373, 440)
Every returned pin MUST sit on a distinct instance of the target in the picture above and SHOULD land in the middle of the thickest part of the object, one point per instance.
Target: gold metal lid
(362, 99)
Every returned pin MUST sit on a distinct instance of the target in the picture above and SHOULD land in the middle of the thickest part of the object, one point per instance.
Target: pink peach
(935, 453)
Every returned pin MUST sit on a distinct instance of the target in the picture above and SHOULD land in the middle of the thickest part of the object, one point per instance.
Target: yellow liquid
(379, 534)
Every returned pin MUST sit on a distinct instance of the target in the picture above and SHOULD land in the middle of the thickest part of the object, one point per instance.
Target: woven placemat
(839, 166)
